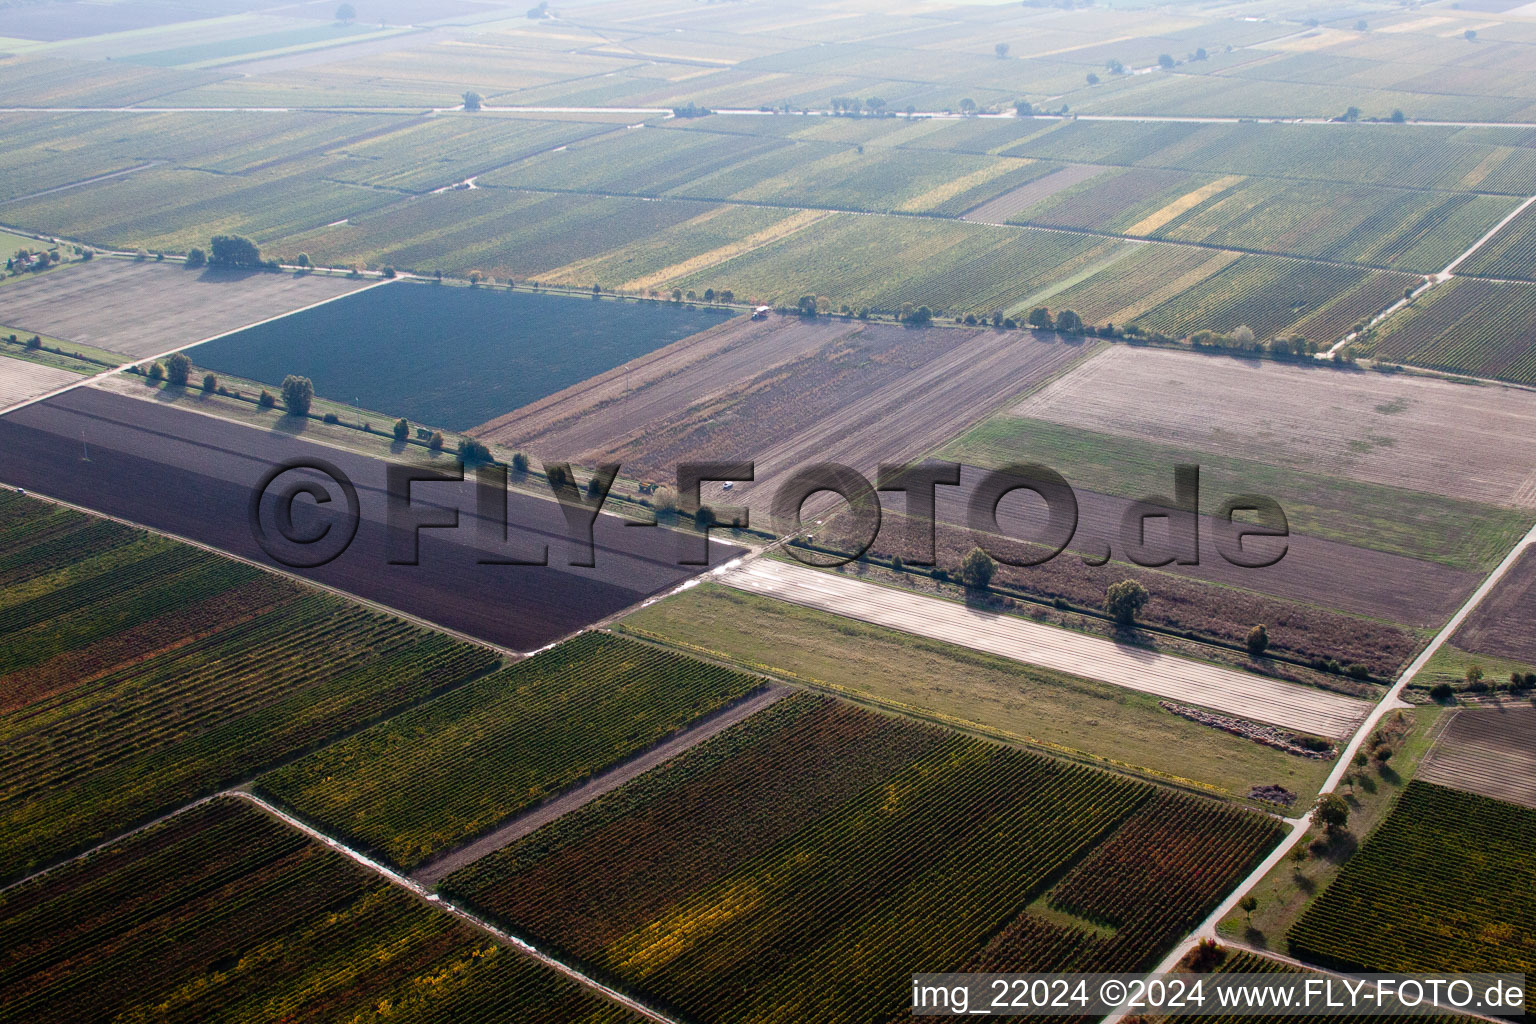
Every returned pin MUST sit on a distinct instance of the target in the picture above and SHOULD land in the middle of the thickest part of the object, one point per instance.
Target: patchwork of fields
(139, 674)
(348, 757)
(787, 844)
(225, 913)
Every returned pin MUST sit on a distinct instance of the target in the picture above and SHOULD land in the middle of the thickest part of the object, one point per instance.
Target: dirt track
(786, 393)
(144, 309)
(1491, 751)
(1237, 693)
(1474, 443)
(525, 824)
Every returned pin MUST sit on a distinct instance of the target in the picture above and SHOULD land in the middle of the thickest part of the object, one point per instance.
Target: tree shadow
(1304, 883)
(1390, 774)
(1255, 938)
(1365, 782)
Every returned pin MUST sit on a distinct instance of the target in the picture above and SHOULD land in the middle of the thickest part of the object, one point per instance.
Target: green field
(1447, 883)
(1465, 325)
(138, 674)
(429, 779)
(223, 913)
(816, 834)
(940, 682)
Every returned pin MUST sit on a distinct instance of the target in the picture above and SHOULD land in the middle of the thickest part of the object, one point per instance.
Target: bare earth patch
(145, 309)
(1476, 443)
(21, 381)
(1487, 751)
(1501, 624)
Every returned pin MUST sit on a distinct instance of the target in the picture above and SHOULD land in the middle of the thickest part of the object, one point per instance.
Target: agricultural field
(785, 844)
(22, 380)
(205, 471)
(1509, 254)
(225, 913)
(786, 392)
(477, 353)
(140, 674)
(1488, 751)
(999, 697)
(430, 779)
(142, 309)
(1388, 469)
(1306, 710)
(1466, 325)
(1447, 883)
(1500, 625)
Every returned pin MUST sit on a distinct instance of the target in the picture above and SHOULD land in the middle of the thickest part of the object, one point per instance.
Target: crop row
(1467, 325)
(429, 779)
(1446, 883)
(223, 913)
(902, 848)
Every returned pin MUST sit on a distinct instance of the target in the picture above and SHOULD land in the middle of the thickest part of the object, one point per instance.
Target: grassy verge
(994, 696)
(1460, 534)
(66, 355)
(1289, 888)
(1449, 665)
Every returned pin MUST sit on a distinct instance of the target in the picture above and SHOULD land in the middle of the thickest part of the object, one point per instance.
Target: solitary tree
(345, 12)
(210, 383)
(1398, 117)
(1474, 674)
(1258, 641)
(1001, 49)
(967, 106)
(177, 369)
(402, 429)
(298, 394)
(1470, 34)
(436, 441)
(157, 372)
(267, 399)
(472, 100)
(1125, 600)
(1165, 61)
(1093, 79)
(1332, 813)
(196, 258)
(1248, 904)
(977, 570)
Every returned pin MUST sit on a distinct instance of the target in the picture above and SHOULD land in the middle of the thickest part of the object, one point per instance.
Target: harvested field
(145, 309)
(226, 913)
(1487, 751)
(999, 210)
(1262, 699)
(816, 834)
(1473, 443)
(785, 393)
(1502, 623)
(1219, 600)
(22, 381)
(205, 471)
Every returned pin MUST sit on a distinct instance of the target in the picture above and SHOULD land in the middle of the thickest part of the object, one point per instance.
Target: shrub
(473, 453)
(157, 372)
(267, 399)
(1441, 692)
(196, 258)
(1258, 641)
(436, 441)
(177, 369)
(33, 342)
(1125, 600)
(210, 382)
(298, 394)
(519, 463)
(402, 429)
(331, 417)
(977, 570)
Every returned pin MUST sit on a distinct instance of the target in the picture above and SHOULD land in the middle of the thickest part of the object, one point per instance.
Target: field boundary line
(597, 786)
(1390, 701)
(124, 367)
(474, 920)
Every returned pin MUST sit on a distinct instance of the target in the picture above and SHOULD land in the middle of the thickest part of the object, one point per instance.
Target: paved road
(1260, 698)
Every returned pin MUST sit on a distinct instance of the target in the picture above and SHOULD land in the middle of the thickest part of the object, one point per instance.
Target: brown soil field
(194, 476)
(145, 309)
(1314, 571)
(1502, 623)
(1487, 751)
(1476, 443)
(786, 393)
(1182, 602)
(997, 211)
(21, 381)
